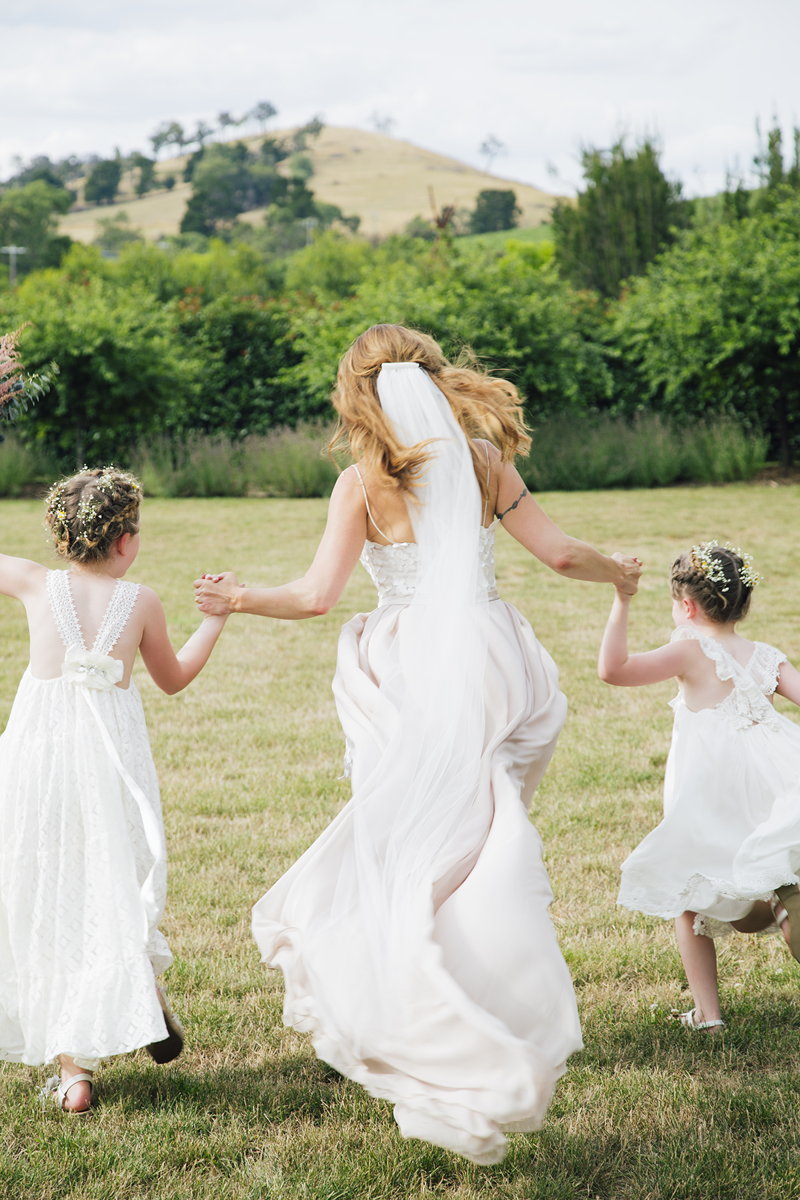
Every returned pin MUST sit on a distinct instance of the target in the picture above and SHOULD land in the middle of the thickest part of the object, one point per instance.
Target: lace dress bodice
(749, 701)
(393, 568)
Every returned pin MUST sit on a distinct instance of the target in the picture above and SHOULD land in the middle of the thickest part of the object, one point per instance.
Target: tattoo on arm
(511, 507)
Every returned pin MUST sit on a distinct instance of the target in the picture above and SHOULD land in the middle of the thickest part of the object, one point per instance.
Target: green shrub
(291, 462)
(200, 466)
(23, 467)
(584, 453)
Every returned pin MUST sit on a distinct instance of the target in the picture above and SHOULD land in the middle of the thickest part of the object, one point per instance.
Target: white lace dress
(82, 868)
(731, 828)
(464, 1017)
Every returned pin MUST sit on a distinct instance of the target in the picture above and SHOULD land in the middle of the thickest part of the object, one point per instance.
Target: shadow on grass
(297, 1087)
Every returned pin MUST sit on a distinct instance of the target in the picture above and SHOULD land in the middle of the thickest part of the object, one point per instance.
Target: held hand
(632, 569)
(215, 594)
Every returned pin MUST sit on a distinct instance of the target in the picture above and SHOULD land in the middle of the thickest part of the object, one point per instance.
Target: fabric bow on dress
(100, 672)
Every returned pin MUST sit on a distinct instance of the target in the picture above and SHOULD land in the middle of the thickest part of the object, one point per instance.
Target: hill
(383, 180)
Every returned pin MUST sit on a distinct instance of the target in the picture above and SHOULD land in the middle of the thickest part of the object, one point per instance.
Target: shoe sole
(169, 1047)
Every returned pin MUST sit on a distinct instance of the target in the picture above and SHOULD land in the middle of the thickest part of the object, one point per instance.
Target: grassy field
(249, 758)
(384, 180)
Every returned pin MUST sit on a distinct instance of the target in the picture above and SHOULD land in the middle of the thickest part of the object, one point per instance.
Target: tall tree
(103, 182)
(713, 327)
(202, 132)
(146, 172)
(495, 209)
(490, 148)
(627, 213)
(29, 218)
(262, 112)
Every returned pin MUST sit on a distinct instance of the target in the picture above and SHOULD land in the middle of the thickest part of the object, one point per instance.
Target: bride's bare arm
(318, 590)
(533, 529)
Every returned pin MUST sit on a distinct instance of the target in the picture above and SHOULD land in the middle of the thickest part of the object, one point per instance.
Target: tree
(628, 212)
(490, 148)
(262, 113)
(146, 169)
(226, 121)
(776, 178)
(495, 209)
(123, 376)
(382, 123)
(29, 217)
(115, 232)
(103, 182)
(202, 132)
(243, 344)
(511, 307)
(229, 180)
(714, 326)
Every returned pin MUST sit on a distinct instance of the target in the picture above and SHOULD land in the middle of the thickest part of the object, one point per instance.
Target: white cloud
(544, 77)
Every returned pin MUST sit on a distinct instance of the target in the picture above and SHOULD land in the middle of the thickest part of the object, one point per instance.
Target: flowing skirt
(731, 828)
(445, 991)
(78, 955)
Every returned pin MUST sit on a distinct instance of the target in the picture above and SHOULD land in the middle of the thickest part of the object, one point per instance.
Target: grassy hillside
(383, 180)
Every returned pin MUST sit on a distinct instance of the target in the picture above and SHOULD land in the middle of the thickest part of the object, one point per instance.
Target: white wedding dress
(731, 828)
(82, 867)
(414, 934)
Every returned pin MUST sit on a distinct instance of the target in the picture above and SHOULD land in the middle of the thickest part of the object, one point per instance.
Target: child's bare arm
(170, 671)
(789, 683)
(615, 665)
(18, 575)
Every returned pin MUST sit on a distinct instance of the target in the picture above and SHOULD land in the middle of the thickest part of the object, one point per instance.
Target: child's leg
(699, 958)
(79, 1096)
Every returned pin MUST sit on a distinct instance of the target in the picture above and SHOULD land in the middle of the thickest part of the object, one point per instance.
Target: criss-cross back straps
(115, 618)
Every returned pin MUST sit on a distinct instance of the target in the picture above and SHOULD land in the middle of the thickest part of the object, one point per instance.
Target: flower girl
(82, 857)
(727, 852)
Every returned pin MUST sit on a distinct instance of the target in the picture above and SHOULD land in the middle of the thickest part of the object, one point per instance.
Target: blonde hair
(483, 405)
(87, 512)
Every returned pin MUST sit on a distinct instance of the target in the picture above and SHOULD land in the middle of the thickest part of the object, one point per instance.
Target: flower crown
(87, 510)
(706, 562)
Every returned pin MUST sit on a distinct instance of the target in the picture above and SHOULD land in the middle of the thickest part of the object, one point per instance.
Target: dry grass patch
(383, 180)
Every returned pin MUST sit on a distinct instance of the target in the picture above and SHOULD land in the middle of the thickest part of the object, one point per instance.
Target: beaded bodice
(393, 568)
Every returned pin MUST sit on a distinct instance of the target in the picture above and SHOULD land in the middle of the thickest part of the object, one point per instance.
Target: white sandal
(56, 1090)
(688, 1021)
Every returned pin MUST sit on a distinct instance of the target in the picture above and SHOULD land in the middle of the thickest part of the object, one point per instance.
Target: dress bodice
(749, 701)
(393, 568)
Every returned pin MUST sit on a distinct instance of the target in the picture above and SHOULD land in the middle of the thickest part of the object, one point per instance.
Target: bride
(414, 934)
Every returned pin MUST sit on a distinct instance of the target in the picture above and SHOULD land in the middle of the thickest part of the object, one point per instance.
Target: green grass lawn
(249, 758)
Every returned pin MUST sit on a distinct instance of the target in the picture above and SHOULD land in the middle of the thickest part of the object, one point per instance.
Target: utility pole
(12, 252)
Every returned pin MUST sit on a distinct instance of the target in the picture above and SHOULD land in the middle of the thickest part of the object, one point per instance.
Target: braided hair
(87, 512)
(720, 580)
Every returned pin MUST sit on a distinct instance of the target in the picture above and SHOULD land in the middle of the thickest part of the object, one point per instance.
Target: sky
(544, 77)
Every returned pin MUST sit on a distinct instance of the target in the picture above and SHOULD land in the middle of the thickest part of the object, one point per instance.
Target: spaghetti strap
(488, 477)
(366, 501)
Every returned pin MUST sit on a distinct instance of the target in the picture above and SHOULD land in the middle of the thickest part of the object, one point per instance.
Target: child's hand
(215, 594)
(632, 569)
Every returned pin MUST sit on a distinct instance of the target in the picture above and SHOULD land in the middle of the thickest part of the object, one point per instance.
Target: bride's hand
(632, 569)
(215, 594)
